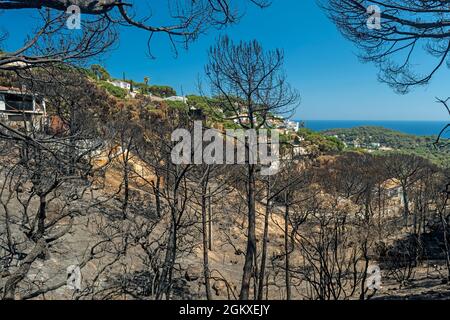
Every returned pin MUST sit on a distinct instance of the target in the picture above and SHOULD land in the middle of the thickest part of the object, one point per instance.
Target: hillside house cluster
(359, 143)
(289, 126)
(284, 126)
(132, 92)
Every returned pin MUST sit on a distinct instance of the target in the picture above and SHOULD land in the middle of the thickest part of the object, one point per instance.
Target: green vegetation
(178, 105)
(325, 143)
(100, 72)
(377, 140)
(141, 87)
(113, 90)
(160, 91)
(382, 140)
(209, 106)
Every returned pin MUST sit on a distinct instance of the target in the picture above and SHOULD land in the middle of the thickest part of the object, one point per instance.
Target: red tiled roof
(2, 88)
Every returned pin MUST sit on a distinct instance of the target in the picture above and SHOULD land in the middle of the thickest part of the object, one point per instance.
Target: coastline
(418, 128)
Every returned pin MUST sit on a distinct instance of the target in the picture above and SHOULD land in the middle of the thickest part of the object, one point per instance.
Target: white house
(177, 98)
(244, 118)
(292, 125)
(121, 84)
(18, 105)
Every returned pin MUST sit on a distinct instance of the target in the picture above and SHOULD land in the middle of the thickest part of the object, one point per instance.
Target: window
(17, 102)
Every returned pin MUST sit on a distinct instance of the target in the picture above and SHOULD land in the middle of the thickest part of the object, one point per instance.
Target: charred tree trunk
(37, 251)
(170, 256)
(126, 191)
(41, 216)
(251, 237)
(287, 253)
(157, 192)
(126, 179)
(210, 226)
(13, 281)
(405, 205)
(169, 261)
(206, 244)
(262, 272)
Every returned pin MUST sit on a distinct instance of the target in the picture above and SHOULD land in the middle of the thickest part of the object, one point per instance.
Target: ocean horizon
(419, 128)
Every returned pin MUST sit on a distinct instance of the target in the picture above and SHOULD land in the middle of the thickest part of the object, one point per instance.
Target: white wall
(2, 102)
(122, 84)
(177, 98)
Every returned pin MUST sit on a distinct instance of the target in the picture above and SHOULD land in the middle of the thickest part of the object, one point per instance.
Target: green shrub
(324, 143)
(162, 91)
(178, 105)
(113, 90)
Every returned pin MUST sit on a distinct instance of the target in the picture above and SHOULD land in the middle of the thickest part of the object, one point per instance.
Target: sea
(418, 128)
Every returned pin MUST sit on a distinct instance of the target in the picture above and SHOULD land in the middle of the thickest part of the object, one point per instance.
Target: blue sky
(319, 62)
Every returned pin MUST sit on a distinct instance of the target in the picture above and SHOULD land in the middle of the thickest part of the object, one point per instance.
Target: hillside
(379, 139)
(138, 226)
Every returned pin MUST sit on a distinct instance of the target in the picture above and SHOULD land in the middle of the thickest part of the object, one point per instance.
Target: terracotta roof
(2, 88)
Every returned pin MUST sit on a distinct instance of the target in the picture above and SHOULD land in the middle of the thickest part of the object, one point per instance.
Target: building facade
(20, 106)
